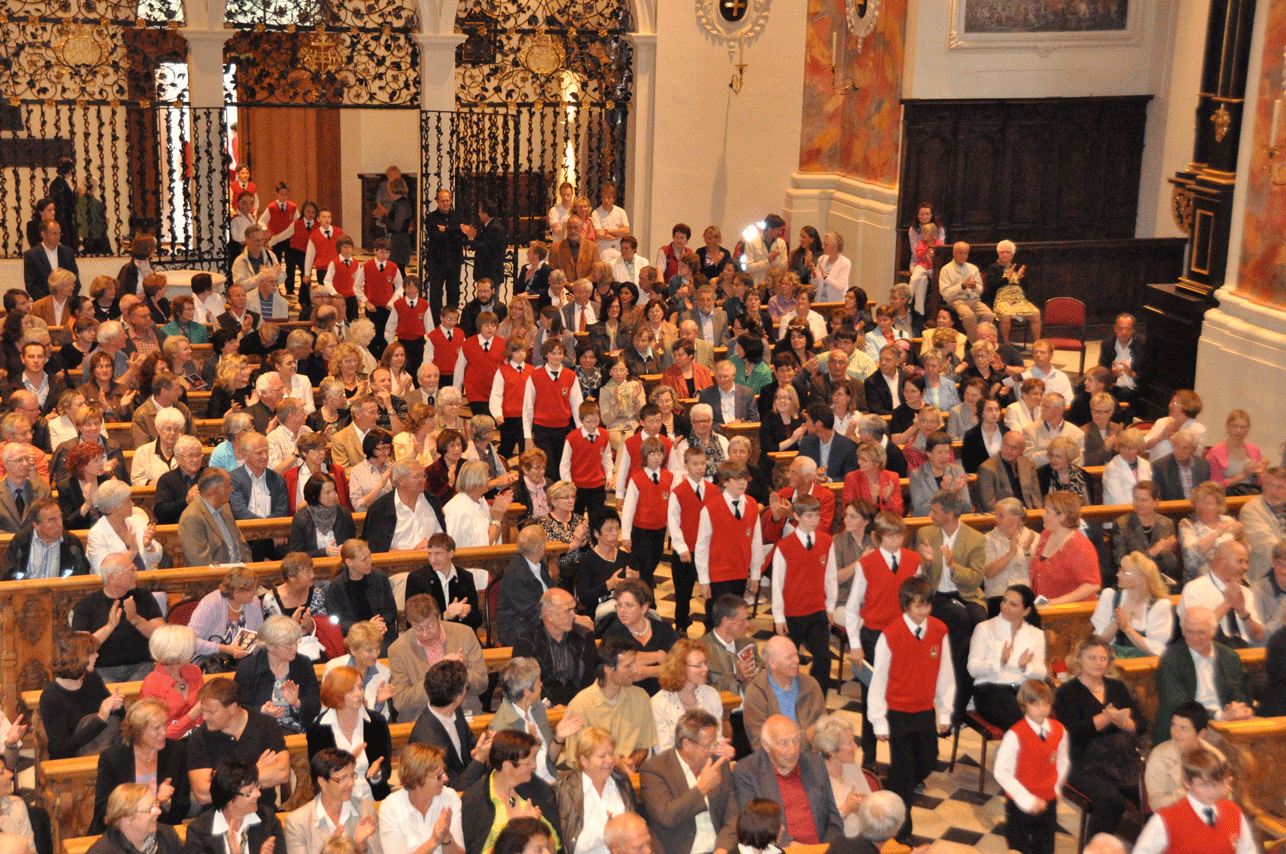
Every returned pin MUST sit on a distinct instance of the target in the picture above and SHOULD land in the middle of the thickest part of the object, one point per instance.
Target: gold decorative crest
(543, 55)
(322, 54)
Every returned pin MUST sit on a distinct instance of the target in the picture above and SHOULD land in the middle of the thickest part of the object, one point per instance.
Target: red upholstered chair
(1066, 314)
(986, 731)
(181, 613)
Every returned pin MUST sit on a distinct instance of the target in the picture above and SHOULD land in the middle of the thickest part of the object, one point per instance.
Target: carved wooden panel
(1256, 756)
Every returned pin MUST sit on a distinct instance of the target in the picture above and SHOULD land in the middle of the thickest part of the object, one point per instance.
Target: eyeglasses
(252, 792)
(350, 777)
(154, 808)
(701, 665)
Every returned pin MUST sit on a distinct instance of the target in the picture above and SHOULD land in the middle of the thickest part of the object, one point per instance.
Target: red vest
(913, 665)
(344, 276)
(299, 240)
(671, 263)
(654, 500)
(480, 366)
(880, 605)
(732, 545)
(445, 351)
(634, 444)
(804, 587)
(514, 389)
(1188, 832)
(1037, 766)
(324, 250)
(410, 321)
(553, 398)
(587, 458)
(690, 510)
(279, 220)
(378, 286)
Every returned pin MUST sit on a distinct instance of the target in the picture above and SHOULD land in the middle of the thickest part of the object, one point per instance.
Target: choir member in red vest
(278, 221)
(683, 519)
(406, 324)
(873, 603)
(730, 518)
(628, 459)
(587, 459)
(643, 518)
(506, 395)
(444, 343)
(550, 403)
(479, 360)
(1205, 822)
(913, 683)
(341, 276)
(378, 284)
(804, 587)
(1031, 766)
(321, 249)
(296, 250)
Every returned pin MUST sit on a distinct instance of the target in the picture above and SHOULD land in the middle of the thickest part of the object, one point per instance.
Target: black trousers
(913, 754)
(442, 278)
(1108, 799)
(960, 618)
(235, 248)
(483, 407)
(685, 579)
(717, 589)
(380, 318)
(813, 633)
(997, 704)
(647, 545)
(400, 249)
(350, 308)
(586, 498)
(550, 440)
(415, 358)
(295, 264)
(510, 431)
(869, 638)
(1031, 834)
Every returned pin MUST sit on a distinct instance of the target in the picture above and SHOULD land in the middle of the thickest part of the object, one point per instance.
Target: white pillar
(205, 95)
(437, 69)
(639, 163)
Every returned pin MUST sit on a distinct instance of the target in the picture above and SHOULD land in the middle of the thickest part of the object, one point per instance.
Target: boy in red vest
(278, 219)
(805, 586)
(475, 368)
(730, 518)
(550, 402)
(912, 677)
(643, 518)
(629, 459)
(1205, 822)
(321, 248)
(297, 250)
(506, 395)
(406, 324)
(683, 517)
(1031, 766)
(378, 284)
(587, 459)
(444, 342)
(341, 276)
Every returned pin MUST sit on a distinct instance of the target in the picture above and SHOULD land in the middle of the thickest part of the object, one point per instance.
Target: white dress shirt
(469, 522)
(987, 646)
(1154, 839)
(779, 570)
(404, 829)
(413, 523)
(674, 515)
(1006, 767)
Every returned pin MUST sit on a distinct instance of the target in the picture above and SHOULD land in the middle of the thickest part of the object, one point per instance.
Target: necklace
(236, 609)
(646, 629)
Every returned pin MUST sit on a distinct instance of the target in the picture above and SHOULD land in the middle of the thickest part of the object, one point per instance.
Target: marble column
(209, 179)
(638, 175)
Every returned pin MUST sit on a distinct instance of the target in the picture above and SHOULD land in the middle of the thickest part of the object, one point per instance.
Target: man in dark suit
(177, 488)
(36, 379)
(533, 278)
(1176, 674)
(883, 389)
(761, 773)
(727, 398)
(564, 672)
(258, 492)
(452, 588)
(406, 499)
(580, 308)
(1176, 473)
(674, 805)
(39, 261)
(574, 255)
(1125, 354)
(444, 253)
(166, 391)
(486, 300)
(65, 555)
(445, 684)
(833, 453)
(711, 322)
(997, 476)
(489, 245)
(238, 319)
(524, 582)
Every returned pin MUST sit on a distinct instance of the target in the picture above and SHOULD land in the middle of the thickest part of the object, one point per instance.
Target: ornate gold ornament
(322, 53)
(543, 54)
(861, 17)
(1181, 208)
(81, 46)
(1222, 119)
(732, 23)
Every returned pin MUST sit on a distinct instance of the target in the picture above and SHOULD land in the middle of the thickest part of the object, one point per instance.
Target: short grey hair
(299, 338)
(881, 815)
(1183, 436)
(170, 416)
(738, 441)
(829, 733)
(807, 465)
(172, 644)
(1006, 244)
(1011, 507)
(278, 630)
(109, 329)
(236, 423)
(900, 289)
(361, 331)
(872, 424)
(948, 502)
(265, 380)
(402, 468)
(482, 426)
(473, 475)
(187, 443)
(253, 228)
(519, 676)
(700, 409)
(13, 451)
(111, 495)
(114, 563)
(557, 277)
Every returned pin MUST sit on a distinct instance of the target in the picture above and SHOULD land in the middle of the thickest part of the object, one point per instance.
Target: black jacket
(303, 531)
(462, 769)
(461, 586)
(202, 840)
(116, 766)
(478, 813)
(71, 555)
(878, 397)
(536, 643)
(255, 679)
(473, 308)
(379, 744)
(381, 521)
(519, 604)
(489, 253)
(443, 237)
(36, 269)
(379, 595)
(539, 281)
(171, 495)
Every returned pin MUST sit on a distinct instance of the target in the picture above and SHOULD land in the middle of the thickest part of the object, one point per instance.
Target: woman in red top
(1065, 568)
(873, 481)
(686, 376)
(175, 680)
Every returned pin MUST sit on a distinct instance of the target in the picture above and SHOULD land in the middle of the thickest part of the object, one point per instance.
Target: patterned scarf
(713, 450)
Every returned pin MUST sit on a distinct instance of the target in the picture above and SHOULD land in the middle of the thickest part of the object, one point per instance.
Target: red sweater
(1188, 832)
(732, 546)
(480, 366)
(1037, 767)
(410, 321)
(880, 605)
(634, 445)
(345, 274)
(689, 510)
(378, 286)
(279, 220)
(553, 398)
(587, 458)
(324, 250)
(445, 350)
(303, 233)
(773, 529)
(654, 499)
(913, 665)
(515, 385)
(804, 587)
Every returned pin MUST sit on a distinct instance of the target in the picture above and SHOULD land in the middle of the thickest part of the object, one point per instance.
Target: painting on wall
(1042, 25)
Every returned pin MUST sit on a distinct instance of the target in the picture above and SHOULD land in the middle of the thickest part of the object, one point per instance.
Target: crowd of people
(433, 418)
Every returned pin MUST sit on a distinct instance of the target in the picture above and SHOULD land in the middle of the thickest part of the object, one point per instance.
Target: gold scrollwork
(1181, 208)
(1222, 120)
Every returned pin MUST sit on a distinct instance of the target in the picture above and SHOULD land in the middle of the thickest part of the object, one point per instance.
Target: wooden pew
(1256, 756)
(1140, 675)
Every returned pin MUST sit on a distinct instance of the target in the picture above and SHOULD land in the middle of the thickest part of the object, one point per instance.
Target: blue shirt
(786, 699)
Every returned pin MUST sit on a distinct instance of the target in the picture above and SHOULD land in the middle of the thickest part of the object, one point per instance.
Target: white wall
(369, 141)
(720, 158)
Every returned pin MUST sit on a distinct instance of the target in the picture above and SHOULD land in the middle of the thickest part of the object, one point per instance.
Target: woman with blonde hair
(1125, 469)
(620, 401)
(226, 614)
(1236, 464)
(1137, 618)
(232, 390)
(346, 366)
(1206, 528)
(518, 322)
(1009, 549)
(595, 791)
(834, 740)
(131, 823)
(175, 680)
(276, 680)
(361, 333)
(144, 755)
(1065, 567)
(363, 645)
(424, 815)
(412, 443)
(683, 679)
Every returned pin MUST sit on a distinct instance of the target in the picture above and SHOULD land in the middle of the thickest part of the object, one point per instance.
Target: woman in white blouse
(1006, 651)
(471, 522)
(1126, 469)
(346, 724)
(833, 740)
(157, 457)
(832, 269)
(1184, 408)
(123, 528)
(1010, 546)
(1205, 529)
(523, 710)
(296, 384)
(589, 795)
(683, 688)
(424, 812)
(1137, 619)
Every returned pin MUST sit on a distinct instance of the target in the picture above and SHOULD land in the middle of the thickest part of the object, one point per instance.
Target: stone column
(638, 172)
(208, 181)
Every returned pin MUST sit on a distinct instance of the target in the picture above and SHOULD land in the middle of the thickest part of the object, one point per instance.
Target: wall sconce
(1276, 169)
(740, 77)
(841, 86)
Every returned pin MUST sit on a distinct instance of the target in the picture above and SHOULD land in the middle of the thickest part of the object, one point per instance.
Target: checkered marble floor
(950, 813)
